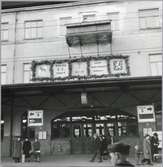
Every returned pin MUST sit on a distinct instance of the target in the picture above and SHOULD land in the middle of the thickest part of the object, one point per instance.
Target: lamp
(84, 98)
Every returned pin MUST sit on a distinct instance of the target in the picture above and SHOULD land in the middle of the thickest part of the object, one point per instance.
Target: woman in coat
(27, 149)
(147, 150)
(17, 150)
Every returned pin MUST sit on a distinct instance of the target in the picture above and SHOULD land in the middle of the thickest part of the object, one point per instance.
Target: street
(66, 161)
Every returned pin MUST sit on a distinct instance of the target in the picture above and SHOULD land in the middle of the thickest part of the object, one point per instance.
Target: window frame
(36, 27)
(24, 70)
(150, 16)
(150, 63)
(5, 29)
(4, 72)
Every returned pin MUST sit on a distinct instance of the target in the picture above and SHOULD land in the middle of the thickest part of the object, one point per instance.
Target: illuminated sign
(35, 118)
(146, 113)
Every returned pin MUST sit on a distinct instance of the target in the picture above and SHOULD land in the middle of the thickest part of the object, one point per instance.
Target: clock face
(43, 71)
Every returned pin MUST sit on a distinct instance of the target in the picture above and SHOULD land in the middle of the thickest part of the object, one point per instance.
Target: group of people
(150, 149)
(24, 149)
(117, 153)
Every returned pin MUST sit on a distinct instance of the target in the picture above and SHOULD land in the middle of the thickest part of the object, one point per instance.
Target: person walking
(154, 145)
(119, 154)
(97, 147)
(36, 150)
(104, 148)
(27, 149)
(17, 150)
(147, 150)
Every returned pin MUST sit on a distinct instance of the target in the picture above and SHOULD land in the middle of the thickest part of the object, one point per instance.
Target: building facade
(86, 65)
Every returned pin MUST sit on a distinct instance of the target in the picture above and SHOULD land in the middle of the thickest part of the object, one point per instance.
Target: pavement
(66, 161)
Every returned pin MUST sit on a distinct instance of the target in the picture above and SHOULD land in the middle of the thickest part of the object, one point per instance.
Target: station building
(86, 67)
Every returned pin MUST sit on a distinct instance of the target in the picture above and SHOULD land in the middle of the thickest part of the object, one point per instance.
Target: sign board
(35, 118)
(42, 135)
(79, 69)
(118, 66)
(146, 113)
(61, 70)
(43, 71)
(98, 67)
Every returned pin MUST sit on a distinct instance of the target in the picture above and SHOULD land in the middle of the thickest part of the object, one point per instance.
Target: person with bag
(36, 150)
(147, 150)
(17, 150)
(27, 149)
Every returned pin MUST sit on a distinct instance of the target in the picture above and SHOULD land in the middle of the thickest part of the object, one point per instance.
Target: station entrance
(78, 128)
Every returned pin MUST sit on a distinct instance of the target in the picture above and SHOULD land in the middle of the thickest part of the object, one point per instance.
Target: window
(114, 17)
(27, 73)
(4, 31)
(155, 64)
(33, 29)
(3, 74)
(149, 18)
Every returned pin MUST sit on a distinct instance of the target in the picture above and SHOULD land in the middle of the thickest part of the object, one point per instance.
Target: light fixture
(2, 121)
(84, 98)
(24, 121)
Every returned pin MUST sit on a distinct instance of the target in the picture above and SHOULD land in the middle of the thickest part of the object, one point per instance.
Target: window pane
(3, 78)
(148, 12)
(156, 58)
(27, 33)
(39, 32)
(153, 69)
(142, 23)
(3, 68)
(33, 29)
(159, 68)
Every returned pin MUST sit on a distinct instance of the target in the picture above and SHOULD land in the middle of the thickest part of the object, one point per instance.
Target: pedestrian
(119, 155)
(27, 149)
(97, 147)
(138, 153)
(104, 148)
(154, 145)
(147, 150)
(17, 150)
(36, 150)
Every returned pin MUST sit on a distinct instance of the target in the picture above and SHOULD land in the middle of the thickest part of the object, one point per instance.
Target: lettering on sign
(60, 70)
(98, 67)
(146, 113)
(35, 118)
(79, 69)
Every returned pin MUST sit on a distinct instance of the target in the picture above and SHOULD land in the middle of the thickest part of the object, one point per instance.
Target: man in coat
(154, 144)
(97, 148)
(26, 149)
(36, 150)
(119, 154)
(17, 150)
(147, 150)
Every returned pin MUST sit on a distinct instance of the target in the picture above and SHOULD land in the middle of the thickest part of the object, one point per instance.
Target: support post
(11, 123)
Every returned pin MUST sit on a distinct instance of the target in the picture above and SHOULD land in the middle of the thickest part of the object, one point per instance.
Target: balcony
(89, 32)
